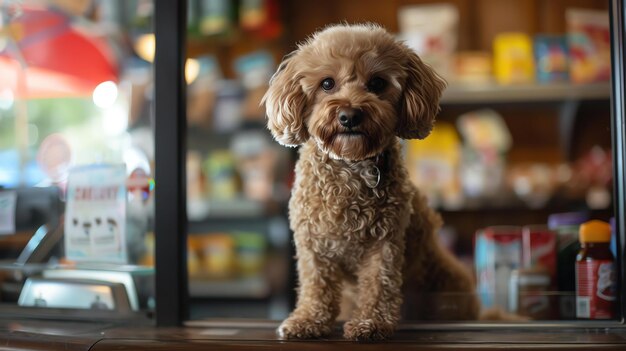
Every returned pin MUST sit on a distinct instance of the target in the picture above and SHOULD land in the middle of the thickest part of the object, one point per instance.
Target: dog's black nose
(350, 117)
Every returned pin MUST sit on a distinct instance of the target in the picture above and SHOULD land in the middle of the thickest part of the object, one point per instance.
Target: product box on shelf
(529, 294)
(539, 250)
(589, 39)
(497, 254)
(513, 61)
(551, 58)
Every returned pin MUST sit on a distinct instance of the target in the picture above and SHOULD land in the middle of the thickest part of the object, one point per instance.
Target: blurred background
(519, 158)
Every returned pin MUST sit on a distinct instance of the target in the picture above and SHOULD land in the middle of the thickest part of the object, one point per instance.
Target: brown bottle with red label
(595, 273)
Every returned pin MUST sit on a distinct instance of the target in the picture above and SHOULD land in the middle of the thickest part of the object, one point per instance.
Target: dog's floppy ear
(285, 102)
(419, 103)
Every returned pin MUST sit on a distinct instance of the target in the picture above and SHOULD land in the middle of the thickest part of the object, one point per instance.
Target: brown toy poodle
(347, 95)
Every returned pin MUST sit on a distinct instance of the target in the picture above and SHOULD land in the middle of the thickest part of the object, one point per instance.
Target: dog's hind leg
(438, 285)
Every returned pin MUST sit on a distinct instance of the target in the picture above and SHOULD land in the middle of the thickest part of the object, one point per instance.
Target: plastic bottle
(595, 272)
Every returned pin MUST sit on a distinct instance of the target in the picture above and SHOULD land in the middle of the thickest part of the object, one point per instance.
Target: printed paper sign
(8, 199)
(95, 215)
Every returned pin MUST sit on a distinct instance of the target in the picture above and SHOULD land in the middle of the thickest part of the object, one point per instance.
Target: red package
(539, 250)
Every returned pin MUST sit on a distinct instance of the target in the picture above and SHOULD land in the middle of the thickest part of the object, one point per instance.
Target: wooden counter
(239, 335)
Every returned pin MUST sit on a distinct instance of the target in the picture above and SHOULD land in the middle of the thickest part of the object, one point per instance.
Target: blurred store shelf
(220, 209)
(472, 93)
(256, 287)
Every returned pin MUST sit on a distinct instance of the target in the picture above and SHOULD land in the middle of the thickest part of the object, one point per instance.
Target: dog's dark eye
(376, 85)
(328, 84)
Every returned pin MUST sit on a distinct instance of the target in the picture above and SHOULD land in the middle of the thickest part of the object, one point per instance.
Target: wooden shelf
(476, 93)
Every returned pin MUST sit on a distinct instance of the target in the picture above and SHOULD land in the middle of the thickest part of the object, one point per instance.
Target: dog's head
(353, 89)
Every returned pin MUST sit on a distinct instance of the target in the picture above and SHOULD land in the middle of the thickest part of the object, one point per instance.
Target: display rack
(472, 93)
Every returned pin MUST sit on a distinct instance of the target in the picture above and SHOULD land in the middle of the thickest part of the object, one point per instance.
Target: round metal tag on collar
(378, 174)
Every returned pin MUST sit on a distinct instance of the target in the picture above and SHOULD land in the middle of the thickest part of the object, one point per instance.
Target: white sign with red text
(95, 216)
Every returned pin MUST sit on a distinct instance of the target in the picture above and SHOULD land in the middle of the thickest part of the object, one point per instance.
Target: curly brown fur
(352, 229)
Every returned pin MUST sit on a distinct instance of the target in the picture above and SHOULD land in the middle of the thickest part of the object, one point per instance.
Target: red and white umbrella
(52, 57)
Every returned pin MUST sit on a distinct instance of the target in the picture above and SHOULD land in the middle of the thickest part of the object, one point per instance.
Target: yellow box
(513, 58)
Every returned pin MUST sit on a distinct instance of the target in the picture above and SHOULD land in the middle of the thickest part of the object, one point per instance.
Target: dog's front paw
(367, 330)
(302, 328)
